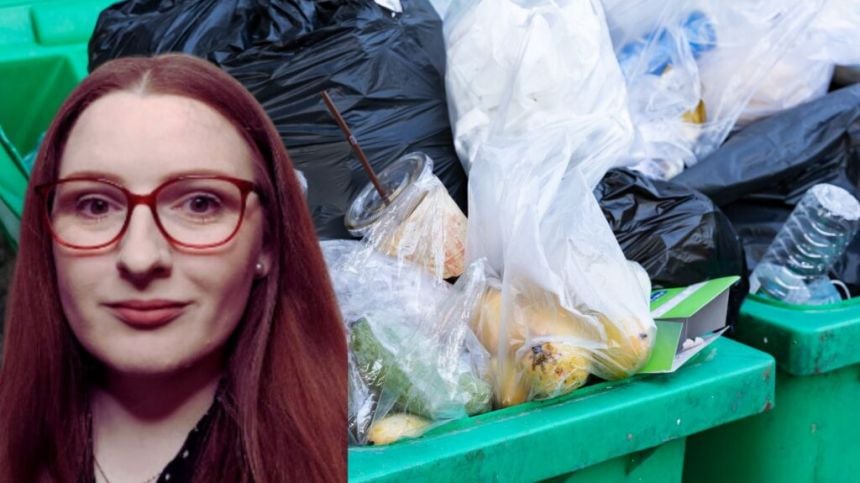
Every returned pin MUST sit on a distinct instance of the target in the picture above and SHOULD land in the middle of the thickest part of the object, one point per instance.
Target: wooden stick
(355, 147)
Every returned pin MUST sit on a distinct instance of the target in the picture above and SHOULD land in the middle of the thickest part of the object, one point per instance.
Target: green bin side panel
(812, 435)
(540, 440)
(66, 22)
(804, 339)
(15, 26)
(19, 3)
(662, 464)
(13, 185)
(31, 92)
(58, 22)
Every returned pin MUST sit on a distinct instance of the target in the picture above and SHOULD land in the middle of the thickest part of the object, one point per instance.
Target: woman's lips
(147, 314)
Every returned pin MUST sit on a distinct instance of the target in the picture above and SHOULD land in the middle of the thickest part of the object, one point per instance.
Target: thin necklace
(151, 479)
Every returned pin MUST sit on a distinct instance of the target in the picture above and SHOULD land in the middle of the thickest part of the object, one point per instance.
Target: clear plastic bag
(805, 72)
(566, 303)
(539, 62)
(414, 361)
(693, 65)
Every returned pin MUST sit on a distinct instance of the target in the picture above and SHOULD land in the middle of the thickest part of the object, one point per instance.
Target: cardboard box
(688, 319)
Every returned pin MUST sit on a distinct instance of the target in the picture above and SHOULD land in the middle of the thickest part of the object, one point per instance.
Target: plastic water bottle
(794, 268)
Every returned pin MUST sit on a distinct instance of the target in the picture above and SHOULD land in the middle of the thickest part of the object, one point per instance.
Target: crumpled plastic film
(692, 66)
(411, 349)
(805, 71)
(562, 58)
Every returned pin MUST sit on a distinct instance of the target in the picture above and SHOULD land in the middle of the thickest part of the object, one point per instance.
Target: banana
(511, 389)
(395, 426)
(628, 347)
(529, 319)
(554, 368)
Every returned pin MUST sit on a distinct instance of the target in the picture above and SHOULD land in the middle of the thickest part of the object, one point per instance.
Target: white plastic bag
(692, 66)
(542, 62)
(805, 71)
(540, 112)
(412, 353)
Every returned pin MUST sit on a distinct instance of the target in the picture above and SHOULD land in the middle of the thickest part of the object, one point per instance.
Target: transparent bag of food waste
(414, 360)
(566, 303)
(420, 222)
(692, 67)
(562, 57)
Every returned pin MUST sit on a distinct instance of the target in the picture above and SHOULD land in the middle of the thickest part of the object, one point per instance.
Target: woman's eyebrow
(94, 174)
(175, 174)
(197, 172)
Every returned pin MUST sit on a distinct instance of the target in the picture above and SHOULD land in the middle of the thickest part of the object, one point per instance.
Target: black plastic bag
(677, 234)
(759, 175)
(384, 71)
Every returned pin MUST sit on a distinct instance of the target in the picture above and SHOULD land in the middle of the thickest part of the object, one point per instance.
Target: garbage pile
(536, 168)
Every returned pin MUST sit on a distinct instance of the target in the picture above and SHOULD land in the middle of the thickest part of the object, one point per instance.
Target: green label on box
(678, 303)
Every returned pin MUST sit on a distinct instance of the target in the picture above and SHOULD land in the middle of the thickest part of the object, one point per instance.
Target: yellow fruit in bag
(622, 347)
(554, 368)
(530, 319)
(395, 426)
(511, 389)
(628, 348)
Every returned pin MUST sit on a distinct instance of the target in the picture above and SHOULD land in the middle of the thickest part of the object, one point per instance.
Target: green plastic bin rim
(542, 439)
(805, 340)
(845, 304)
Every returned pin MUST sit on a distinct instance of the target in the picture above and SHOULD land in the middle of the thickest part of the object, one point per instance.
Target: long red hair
(285, 401)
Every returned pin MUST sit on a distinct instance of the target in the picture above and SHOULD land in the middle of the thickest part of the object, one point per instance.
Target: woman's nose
(144, 252)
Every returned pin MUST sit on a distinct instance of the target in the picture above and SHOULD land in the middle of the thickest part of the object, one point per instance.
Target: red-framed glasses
(193, 211)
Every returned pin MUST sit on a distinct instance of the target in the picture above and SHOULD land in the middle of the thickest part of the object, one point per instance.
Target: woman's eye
(202, 204)
(93, 206)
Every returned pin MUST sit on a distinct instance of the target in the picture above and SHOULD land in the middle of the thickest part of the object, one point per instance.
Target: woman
(170, 313)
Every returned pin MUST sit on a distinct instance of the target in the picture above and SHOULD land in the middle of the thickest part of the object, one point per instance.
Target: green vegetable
(433, 398)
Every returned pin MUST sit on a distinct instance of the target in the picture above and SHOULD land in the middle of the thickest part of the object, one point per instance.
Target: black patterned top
(181, 467)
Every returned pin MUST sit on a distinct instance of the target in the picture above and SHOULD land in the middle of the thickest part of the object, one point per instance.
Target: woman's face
(142, 305)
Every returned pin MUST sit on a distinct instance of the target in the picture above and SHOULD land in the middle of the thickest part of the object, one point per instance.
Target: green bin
(43, 56)
(626, 431)
(813, 433)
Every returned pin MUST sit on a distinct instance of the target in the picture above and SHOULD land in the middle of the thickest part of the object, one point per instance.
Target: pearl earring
(260, 268)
